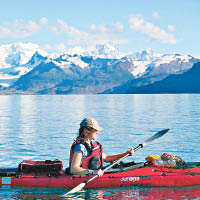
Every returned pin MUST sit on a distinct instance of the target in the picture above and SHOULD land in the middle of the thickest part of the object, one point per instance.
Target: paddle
(82, 185)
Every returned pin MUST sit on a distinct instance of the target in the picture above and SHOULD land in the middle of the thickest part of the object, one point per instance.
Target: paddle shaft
(114, 163)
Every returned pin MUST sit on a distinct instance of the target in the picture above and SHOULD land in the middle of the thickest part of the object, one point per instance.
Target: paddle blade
(156, 136)
(76, 189)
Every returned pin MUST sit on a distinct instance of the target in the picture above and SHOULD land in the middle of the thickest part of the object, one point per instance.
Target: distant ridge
(188, 82)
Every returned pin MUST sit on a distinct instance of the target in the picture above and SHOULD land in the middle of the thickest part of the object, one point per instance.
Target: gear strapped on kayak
(50, 167)
(165, 160)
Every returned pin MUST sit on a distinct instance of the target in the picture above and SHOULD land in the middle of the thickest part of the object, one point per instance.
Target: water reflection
(141, 194)
(155, 193)
(134, 193)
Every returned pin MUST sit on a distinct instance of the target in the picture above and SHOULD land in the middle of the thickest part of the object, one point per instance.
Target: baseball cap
(90, 122)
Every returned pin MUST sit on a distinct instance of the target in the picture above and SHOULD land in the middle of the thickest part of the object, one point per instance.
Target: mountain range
(25, 69)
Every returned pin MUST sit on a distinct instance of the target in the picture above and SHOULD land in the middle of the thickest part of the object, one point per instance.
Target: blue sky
(171, 26)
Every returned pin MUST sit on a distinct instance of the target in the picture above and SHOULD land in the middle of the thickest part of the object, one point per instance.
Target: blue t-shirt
(81, 147)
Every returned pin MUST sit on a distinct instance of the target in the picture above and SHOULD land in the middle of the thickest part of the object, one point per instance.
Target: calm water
(43, 127)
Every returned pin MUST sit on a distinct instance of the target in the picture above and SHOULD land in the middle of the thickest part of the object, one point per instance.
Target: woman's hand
(130, 152)
(98, 172)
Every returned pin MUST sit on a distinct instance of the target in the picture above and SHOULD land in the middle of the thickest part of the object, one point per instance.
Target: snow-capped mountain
(12, 55)
(150, 63)
(84, 71)
(63, 75)
(144, 55)
(98, 51)
(104, 51)
(187, 82)
(20, 58)
(65, 61)
(13, 58)
(35, 60)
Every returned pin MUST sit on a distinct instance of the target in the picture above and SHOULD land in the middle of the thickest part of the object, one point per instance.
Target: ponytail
(80, 134)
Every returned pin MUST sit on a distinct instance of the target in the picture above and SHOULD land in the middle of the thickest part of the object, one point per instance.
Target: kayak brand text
(135, 178)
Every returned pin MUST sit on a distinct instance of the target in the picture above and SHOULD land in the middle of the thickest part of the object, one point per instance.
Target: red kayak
(123, 175)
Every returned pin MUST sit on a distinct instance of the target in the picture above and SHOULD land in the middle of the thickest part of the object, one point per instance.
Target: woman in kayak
(86, 154)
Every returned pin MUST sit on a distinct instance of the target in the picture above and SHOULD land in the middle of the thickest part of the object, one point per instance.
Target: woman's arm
(112, 158)
(76, 163)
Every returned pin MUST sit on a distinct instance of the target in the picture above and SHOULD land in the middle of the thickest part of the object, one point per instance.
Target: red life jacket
(94, 160)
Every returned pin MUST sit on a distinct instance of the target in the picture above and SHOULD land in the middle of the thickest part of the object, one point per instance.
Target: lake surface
(43, 127)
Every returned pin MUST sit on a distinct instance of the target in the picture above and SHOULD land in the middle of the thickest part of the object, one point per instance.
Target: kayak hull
(143, 176)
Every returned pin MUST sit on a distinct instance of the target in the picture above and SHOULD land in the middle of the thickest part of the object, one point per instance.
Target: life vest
(94, 160)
